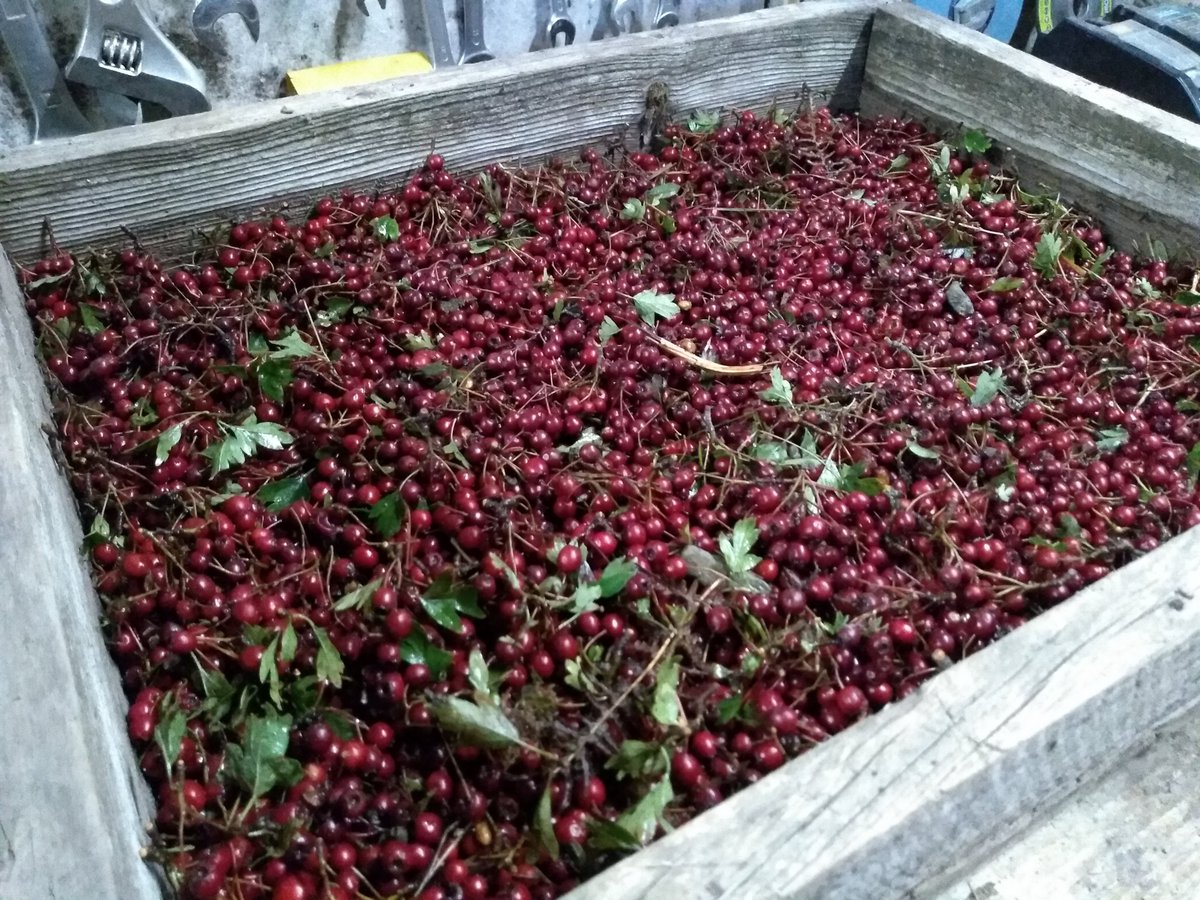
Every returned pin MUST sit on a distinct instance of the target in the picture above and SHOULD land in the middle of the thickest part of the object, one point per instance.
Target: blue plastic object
(999, 23)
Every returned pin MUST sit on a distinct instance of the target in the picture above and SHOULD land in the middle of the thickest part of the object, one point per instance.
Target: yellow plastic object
(355, 72)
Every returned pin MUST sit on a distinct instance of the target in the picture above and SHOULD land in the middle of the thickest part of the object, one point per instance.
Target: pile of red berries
(455, 539)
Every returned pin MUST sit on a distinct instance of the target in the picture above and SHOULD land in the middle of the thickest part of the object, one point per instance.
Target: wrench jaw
(563, 28)
(122, 51)
(208, 12)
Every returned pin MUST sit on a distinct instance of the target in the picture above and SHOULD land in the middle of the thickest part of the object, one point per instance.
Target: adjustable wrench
(54, 111)
(207, 12)
(122, 51)
(441, 54)
(560, 24)
(474, 49)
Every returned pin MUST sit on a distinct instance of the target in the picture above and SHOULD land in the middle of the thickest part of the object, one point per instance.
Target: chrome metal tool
(473, 48)
(666, 14)
(208, 12)
(122, 51)
(560, 24)
(441, 54)
(626, 15)
(362, 5)
(54, 111)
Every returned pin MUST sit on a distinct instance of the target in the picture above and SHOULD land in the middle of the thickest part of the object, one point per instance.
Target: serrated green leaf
(735, 547)
(259, 762)
(634, 210)
(387, 515)
(1109, 440)
(652, 306)
(988, 386)
(359, 598)
(1187, 298)
(273, 377)
(642, 821)
(143, 413)
(1070, 525)
(661, 192)
(168, 735)
(416, 649)
(1005, 285)
(584, 599)
(329, 665)
(244, 440)
(780, 391)
(638, 760)
(898, 164)
(704, 122)
(666, 708)
(608, 329)
(419, 341)
(1049, 251)
(975, 141)
(475, 725)
(278, 495)
(604, 835)
(616, 575)
(292, 346)
(445, 601)
(166, 441)
(90, 319)
(385, 228)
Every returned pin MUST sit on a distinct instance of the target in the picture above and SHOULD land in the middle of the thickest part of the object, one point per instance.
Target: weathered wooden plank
(1134, 832)
(72, 802)
(1134, 167)
(165, 179)
(952, 770)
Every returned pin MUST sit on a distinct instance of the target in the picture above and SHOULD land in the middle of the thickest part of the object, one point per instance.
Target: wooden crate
(925, 786)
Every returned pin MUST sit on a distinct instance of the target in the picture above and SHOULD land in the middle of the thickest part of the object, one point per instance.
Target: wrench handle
(54, 111)
(474, 49)
(438, 33)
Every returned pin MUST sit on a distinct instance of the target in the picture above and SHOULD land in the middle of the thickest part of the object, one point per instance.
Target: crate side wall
(73, 804)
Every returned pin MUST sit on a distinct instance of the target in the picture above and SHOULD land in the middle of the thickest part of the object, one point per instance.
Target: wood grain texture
(1136, 168)
(955, 769)
(162, 180)
(1134, 832)
(72, 801)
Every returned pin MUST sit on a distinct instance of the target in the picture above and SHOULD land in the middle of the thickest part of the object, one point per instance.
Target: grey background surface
(301, 33)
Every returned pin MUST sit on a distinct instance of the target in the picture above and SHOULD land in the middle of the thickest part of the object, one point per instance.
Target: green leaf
(1143, 288)
(661, 192)
(478, 674)
(386, 515)
(604, 835)
(445, 601)
(417, 650)
(958, 299)
(278, 495)
(1109, 440)
(1187, 298)
(780, 391)
(608, 328)
(988, 386)
(543, 824)
(616, 575)
(638, 759)
(329, 661)
(704, 122)
(652, 306)
(924, 452)
(166, 441)
(143, 413)
(1193, 462)
(898, 164)
(1049, 251)
(451, 448)
(975, 141)
(584, 599)
(292, 346)
(244, 440)
(729, 709)
(90, 319)
(259, 763)
(475, 725)
(386, 228)
(1004, 285)
(735, 547)
(666, 707)
(1070, 525)
(419, 341)
(273, 377)
(634, 210)
(168, 734)
(325, 250)
(643, 819)
(287, 643)
(359, 598)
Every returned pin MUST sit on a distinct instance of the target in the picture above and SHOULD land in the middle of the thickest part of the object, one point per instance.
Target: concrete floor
(1132, 834)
